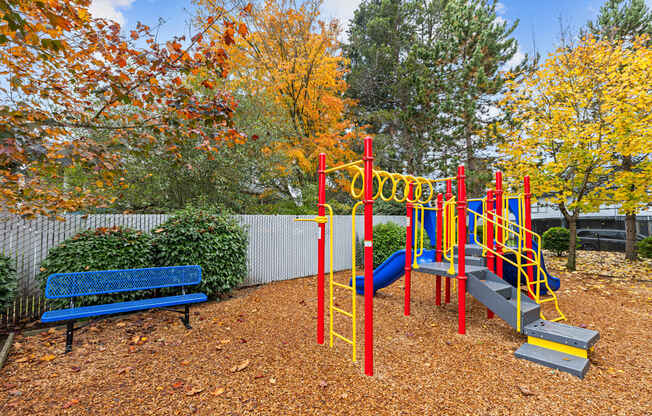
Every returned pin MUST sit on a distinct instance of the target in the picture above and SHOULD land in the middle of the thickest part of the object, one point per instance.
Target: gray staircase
(551, 344)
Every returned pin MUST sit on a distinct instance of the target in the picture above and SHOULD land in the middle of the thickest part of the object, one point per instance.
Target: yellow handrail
(521, 253)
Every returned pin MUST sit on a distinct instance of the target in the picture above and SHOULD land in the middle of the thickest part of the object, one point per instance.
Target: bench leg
(69, 332)
(186, 317)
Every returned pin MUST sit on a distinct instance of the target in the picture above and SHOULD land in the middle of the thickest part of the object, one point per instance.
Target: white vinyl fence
(279, 247)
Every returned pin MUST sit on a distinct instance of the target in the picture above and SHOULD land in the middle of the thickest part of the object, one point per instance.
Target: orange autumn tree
(288, 56)
(77, 94)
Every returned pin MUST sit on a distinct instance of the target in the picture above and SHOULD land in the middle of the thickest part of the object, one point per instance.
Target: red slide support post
(527, 200)
(368, 258)
(440, 240)
(449, 195)
(499, 221)
(408, 249)
(490, 239)
(461, 244)
(321, 247)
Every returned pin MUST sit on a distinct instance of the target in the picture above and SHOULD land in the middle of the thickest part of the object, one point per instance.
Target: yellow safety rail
(524, 258)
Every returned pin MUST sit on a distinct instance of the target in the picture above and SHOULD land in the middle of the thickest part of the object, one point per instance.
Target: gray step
(530, 310)
(562, 333)
(502, 288)
(576, 366)
(441, 269)
(471, 250)
(473, 261)
(499, 301)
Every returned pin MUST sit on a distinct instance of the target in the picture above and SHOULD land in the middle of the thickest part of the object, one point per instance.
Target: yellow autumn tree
(292, 58)
(573, 120)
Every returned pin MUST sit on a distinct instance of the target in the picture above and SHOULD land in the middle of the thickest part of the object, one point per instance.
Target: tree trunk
(572, 243)
(630, 242)
(630, 219)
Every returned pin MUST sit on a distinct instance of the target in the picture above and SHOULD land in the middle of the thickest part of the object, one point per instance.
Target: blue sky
(539, 19)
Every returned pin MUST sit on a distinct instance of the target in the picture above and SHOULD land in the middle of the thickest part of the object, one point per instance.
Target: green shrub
(556, 239)
(99, 249)
(8, 282)
(390, 237)
(214, 241)
(645, 247)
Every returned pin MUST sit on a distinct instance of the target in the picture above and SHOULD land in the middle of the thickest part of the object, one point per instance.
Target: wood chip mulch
(255, 354)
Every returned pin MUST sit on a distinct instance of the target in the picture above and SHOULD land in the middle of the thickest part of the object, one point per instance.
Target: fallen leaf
(185, 362)
(48, 357)
(525, 391)
(71, 403)
(272, 380)
(177, 385)
(240, 366)
(194, 391)
(22, 359)
(125, 370)
(323, 383)
(218, 391)
(121, 324)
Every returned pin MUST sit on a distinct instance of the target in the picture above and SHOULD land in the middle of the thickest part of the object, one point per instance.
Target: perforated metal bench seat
(113, 308)
(79, 284)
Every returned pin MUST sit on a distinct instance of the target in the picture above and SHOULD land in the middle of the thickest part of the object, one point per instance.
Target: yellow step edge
(342, 337)
(349, 314)
(556, 346)
(342, 285)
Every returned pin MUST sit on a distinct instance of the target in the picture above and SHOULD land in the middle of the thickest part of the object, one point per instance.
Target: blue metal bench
(71, 285)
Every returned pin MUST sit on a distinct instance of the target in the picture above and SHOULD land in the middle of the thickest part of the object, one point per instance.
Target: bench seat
(111, 308)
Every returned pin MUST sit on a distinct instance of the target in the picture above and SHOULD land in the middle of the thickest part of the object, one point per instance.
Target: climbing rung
(342, 337)
(557, 319)
(546, 300)
(342, 285)
(336, 309)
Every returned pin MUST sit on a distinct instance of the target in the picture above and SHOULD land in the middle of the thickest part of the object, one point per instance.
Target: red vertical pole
(449, 195)
(368, 258)
(461, 244)
(489, 226)
(440, 240)
(321, 247)
(527, 200)
(408, 249)
(499, 222)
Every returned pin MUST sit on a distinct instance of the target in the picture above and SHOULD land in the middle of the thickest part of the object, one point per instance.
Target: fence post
(489, 225)
(368, 258)
(408, 248)
(321, 247)
(449, 195)
(461, 246)
(440, 240)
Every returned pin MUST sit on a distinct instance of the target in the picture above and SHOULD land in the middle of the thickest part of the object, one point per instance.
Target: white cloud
(110, 9)
(499, 20)
(518, 57)
(500, 8)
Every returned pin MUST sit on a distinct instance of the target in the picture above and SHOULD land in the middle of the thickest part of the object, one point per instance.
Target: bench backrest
(67, 285)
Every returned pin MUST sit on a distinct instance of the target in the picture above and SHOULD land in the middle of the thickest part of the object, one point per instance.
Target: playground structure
(502, 266)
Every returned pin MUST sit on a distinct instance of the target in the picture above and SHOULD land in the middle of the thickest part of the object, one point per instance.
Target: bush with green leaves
(556, 239)
(390, 237)
(99, 249)
(213, 240)
(8, 282)
(645, 247)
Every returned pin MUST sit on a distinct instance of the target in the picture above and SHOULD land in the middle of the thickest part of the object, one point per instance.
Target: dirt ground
(256, 354)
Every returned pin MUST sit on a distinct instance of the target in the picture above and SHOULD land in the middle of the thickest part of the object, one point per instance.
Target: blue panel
(66, 285)
(137, 305)
(475, 206)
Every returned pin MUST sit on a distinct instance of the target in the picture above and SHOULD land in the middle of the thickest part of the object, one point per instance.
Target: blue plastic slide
(391, 270)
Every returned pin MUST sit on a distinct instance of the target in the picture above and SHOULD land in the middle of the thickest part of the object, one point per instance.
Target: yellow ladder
(332, 283)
